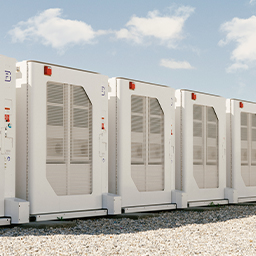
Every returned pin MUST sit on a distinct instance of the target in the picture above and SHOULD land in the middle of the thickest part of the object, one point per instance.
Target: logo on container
(8, 77)
(103, 91)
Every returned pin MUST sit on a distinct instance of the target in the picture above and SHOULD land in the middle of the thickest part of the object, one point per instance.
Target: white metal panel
(201, 146)
(5, 221)
(7, 129)
(241, 151)
(138, 174)
(17, 209)
(53, 185)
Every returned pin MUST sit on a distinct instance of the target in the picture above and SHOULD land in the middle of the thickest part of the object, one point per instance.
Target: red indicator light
(7, 118)
(47, 70)
(241, 104)
(102, 126)
(193, 96)
(131, 86)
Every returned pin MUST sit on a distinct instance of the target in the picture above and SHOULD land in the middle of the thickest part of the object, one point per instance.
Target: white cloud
(49, 28)
(252, 1)
(172, 64)
(236, 66)
(243, 33)
(168, 29)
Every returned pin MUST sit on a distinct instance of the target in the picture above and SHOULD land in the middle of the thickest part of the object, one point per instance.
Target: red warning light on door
(131, 86)
(193, 96)
(241, 104)
(7, 118)
(47, 70)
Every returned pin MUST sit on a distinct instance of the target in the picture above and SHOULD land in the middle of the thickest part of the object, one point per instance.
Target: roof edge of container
(139, 81)
(187, 90)
(60, 66)
(244, 100)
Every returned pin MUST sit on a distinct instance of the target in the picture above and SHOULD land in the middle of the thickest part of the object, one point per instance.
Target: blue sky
(202, 45)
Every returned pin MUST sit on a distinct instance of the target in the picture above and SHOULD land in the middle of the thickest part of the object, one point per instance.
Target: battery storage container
(200, 149)
(241, 150)
(62, 156)
(12, 210)
(141, 145)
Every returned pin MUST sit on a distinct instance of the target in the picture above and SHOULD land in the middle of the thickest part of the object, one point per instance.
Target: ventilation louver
(248, 148)
(205, 146)
(147, 143)
(69, 139)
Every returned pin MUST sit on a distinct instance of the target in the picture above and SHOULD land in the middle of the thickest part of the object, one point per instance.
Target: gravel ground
(229, 230)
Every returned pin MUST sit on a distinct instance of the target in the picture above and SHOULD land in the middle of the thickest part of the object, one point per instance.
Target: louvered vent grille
(147, 143)
(205, 148)
(253, 142)
(248, 148)
(138, 128)
(244, 138)
(198, 134)
(69, 139)
(212, 136)
(55, 123)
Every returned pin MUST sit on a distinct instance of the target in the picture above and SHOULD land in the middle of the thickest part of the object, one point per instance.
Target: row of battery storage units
(165, 148)
(12, 209)
(215, 150)
(62, 156)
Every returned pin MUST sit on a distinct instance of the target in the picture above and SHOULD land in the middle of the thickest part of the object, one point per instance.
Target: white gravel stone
(227, 231)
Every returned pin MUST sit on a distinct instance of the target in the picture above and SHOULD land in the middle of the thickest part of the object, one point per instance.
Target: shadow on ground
(132, 223)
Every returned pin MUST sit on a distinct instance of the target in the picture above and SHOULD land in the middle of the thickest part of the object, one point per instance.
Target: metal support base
(69, 215)
(246, 199)
(149, 208)
(208, 203)
(5, 221)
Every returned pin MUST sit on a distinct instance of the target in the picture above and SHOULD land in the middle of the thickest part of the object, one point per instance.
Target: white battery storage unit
(141, 145)
(200, 149)
(241, 151)
(62, 157)
(8, 146)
